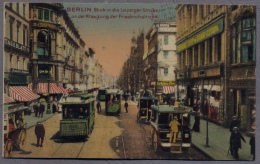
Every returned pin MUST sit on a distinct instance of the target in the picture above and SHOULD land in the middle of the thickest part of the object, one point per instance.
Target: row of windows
(17, 8)
(24, 31)
(19, 62)
(46, 15)
(202, 53)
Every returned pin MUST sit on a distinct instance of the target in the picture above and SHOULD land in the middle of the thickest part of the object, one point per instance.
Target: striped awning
(42, 88)
(64, 91)
(8, 99)
(22, 93)
(168, 89)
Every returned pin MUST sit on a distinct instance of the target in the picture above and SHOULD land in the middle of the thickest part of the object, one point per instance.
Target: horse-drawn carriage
(14, 128)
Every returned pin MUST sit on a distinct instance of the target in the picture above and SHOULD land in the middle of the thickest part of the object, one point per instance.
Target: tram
(113, 102)
(78, 115)
(102, 94)
(144, 108)
(14, 128)
(161, 116)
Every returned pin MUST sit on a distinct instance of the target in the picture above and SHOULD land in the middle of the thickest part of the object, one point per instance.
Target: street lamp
(48, 99)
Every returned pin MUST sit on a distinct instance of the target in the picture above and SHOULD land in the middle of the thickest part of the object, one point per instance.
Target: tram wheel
(8, 148)
(21, 139)
(155, 142)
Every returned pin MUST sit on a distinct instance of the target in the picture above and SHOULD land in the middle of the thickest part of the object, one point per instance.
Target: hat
(235, 129)
(234, 117)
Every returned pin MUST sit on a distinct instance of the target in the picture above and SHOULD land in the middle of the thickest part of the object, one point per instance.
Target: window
(24, 64)
(165, 39)
(196, 55)
(40, 14)
(17, 34)
(17, 62)
(51, 16)
(25, 35)
(17, 8)
(165, 54)
(11, 27)
(165, 71)
(210, 50)
(10, 61)
(46, 15)
(23, 10)
(202, 53)
(218, 47)
(243, 40)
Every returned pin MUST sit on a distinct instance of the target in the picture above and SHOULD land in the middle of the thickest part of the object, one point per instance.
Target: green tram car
(102, 94)
(113, 108)
(144, 108)
(78, 116)
(161, 117)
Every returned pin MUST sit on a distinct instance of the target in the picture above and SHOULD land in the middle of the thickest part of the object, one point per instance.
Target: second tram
(113, 102)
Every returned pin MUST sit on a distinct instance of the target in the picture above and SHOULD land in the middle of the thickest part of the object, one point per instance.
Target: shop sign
(204, 34)
(45, 25)
(16, 45)
(165, 83)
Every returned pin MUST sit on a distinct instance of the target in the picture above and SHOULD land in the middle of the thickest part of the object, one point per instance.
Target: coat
(39, 130)
(174, 125)
(252, 143)
(234, 123)
(126, 105)
(235, 139)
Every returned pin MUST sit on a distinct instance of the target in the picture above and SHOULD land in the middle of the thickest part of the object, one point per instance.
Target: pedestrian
(234, 123)
(36, 109)
(54, 108)
(235, 142)
(110, 102)
(126, 106)
(252, 144)
(174, 129)
(40, 133)
(98, 107)
(196, 125)
(41, 110)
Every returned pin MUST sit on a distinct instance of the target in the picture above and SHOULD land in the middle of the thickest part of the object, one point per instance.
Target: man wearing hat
(234, 123)
(235, 142)
(40, 133)
(174, 129)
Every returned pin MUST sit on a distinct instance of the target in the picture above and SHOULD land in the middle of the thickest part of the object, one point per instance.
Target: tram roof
(148, 98)
(170, 109)
(12, 108)
(83, 95)
(76, 100)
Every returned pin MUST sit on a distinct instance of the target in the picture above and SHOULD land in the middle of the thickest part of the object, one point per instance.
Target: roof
(82, 95)
(11, 108)
(148, 98)
(170, 109)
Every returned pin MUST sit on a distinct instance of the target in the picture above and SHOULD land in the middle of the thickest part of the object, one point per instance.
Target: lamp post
(48, 99)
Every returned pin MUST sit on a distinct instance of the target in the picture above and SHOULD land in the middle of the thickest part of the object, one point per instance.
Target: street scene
(118, 81)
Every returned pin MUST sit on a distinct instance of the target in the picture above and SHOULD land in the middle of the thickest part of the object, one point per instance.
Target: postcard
(141, 81)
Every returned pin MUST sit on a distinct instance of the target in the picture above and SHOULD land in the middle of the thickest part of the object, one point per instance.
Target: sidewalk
(31, 120)
(218, 141)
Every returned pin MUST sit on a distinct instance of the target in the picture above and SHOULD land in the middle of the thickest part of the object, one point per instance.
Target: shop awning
(168, 89)
(64, 91)
(8, 99)
(42, 88)
(22, 93)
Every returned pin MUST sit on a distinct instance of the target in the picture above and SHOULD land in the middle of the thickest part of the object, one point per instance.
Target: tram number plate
(186, 135)
(168, 135)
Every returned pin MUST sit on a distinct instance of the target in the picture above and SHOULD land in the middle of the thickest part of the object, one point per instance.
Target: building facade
(161, 59)
(205, 69)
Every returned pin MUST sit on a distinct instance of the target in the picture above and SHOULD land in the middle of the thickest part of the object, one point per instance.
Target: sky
(108, 28)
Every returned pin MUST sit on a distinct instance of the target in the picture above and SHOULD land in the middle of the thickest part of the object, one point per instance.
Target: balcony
(16, 46)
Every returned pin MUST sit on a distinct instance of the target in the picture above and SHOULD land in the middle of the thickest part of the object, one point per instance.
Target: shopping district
(204, 59)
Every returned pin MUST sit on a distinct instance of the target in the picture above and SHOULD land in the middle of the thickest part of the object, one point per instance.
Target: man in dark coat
(41, 110)
(98, 107)
(54, 108)
(234, 123)
(40, 133)
(196, 125)
(36, 109)
(252, 144)
(126, 106)
(235, 142)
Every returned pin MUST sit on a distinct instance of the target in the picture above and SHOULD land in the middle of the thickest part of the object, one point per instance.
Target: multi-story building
(205, 71)
(242, 62)
(161, 59)
(17, 79)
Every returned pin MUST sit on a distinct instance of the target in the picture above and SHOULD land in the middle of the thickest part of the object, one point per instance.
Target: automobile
(144, 108)
(160, 131)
